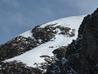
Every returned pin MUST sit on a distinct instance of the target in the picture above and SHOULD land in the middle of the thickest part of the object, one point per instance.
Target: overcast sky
(17, 16)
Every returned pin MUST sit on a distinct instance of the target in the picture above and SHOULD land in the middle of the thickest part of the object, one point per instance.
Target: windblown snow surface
(33, 56)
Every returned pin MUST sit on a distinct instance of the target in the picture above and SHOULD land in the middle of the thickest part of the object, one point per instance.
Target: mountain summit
(65, 46)
(42, 40)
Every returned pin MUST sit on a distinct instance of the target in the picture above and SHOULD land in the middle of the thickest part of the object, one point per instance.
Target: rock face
(88, 34)
(83, 53)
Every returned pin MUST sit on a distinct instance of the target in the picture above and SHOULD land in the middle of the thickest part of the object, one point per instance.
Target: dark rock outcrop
(83, 52)
(17, 68)
(44, 34)
(88, 33)
(16, 47)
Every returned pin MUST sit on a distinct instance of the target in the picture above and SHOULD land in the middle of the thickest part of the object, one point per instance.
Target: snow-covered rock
(33, 56)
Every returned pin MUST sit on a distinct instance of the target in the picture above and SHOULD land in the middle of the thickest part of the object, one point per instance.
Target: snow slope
(33, 56)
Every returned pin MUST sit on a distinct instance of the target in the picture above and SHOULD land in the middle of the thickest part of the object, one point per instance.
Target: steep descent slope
(48, 37)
